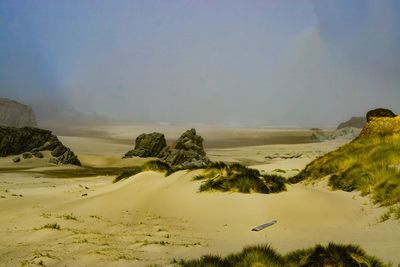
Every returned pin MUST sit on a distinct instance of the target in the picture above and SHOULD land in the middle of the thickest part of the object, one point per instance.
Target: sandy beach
(153, 219)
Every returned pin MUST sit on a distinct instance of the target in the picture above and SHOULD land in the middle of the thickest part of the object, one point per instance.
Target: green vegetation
(69, 216)
(392, 213)
(220, 176)
(153, 165)
(330, 255)
(370, 164)
(239, 178)
(127, 173)
(156, 165)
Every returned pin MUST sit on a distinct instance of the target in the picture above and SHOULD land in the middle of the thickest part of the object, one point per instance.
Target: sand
(152, 219)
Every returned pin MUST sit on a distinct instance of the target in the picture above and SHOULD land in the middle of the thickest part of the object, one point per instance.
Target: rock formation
(380, 112)
(29, 141)
(15, 114)
(346, 133)
(148, 145)
(355, 122)
(187, 151)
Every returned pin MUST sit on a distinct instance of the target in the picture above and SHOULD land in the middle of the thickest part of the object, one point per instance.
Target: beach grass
(263, 255)
(369, 164)
(239, 178)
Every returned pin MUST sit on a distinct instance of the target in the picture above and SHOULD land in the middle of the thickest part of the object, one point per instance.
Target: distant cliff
(355, 122)
(14, 114)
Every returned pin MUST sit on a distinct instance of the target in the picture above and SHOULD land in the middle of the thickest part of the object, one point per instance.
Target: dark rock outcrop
(380, 112)
(187, 151)
(148, 145)
(15, 114)
(29, 141)
(355, 122)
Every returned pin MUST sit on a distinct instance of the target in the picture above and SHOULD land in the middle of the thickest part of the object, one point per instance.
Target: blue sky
(276, 63)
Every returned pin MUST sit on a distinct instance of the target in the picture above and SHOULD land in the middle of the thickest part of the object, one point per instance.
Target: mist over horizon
(228, 63)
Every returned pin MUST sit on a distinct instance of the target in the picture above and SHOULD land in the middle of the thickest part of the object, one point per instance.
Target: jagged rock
(380, 112)
(16, 159)
(59, 150)
(148, 145)
(15, 141)
(187, 151)
(355, 122)
(15, 114)
(68, 157)
(26, 155)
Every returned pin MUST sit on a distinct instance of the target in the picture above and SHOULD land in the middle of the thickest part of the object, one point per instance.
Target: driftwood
(263, 226)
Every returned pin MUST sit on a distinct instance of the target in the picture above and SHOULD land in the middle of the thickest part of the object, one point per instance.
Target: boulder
(38, 154)
(15, 114)
(16, 159)
(187, 151)
(28, 141)
(380, 112)
(148, 145)
(355, 122)
(26, 155)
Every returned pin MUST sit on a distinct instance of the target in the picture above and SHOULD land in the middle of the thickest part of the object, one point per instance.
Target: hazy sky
(259, 62)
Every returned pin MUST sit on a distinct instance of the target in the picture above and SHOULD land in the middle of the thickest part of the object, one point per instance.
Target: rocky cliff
(355, 122)
(30, 141)
(15, 114)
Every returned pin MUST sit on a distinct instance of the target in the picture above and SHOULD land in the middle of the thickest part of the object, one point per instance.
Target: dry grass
(370, 164)
(330, 255)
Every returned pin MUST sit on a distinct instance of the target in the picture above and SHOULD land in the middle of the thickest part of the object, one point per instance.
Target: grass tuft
(264, 255)
(69, 216)
(239, 178)
(127, 173)
(219, 176)
(54, 226)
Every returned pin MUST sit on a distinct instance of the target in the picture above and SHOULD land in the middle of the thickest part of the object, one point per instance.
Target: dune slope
(150, 218)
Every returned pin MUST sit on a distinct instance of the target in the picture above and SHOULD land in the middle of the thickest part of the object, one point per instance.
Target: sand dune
(152, 219)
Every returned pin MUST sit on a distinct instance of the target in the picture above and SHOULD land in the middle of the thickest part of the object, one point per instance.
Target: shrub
(236, 177)
(54, 226)
(68, 217)
(330, 255)
(156, 165)
(127, 173)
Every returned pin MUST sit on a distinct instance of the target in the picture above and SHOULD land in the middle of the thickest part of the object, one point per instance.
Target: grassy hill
(370, 164)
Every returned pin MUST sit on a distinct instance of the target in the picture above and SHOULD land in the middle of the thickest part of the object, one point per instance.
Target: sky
(263, 63)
